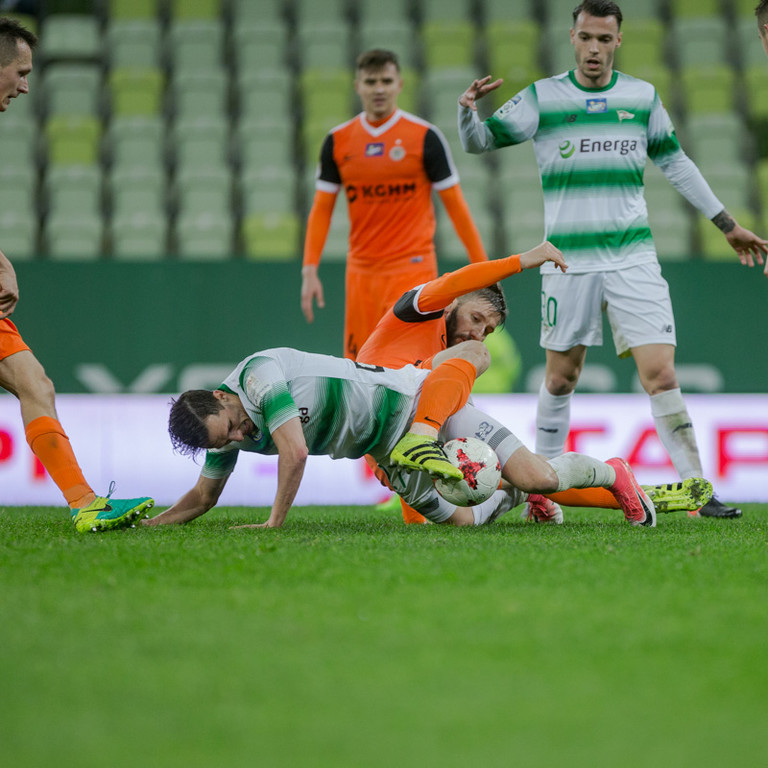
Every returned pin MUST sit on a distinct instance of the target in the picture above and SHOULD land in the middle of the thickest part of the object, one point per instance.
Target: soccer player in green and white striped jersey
(593, 129)
(293, 404)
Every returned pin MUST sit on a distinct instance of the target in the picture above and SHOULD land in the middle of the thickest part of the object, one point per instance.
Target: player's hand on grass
(747, 245)
(541, 253)
(477, 90)
(252, 525)
(311, 291)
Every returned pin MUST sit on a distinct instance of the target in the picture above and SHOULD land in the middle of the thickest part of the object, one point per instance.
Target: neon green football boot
(424, 454)
(106, 514)
(685, 496)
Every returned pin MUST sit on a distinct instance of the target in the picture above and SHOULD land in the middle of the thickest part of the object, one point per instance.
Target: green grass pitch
(347, 639)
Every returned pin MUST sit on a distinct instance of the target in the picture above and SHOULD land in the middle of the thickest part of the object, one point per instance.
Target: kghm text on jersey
(378, 191)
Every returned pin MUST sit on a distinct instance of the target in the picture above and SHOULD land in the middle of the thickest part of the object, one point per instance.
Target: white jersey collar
(384, 127)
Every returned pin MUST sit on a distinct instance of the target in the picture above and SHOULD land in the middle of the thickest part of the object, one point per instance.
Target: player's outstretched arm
(477, 90)
(192, 504)
(292, 457)
(542, 253)
(9, 288)
(747, 245)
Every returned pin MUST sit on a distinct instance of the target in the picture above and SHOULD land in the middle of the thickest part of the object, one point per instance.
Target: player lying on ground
(442, 324)
(293, 404)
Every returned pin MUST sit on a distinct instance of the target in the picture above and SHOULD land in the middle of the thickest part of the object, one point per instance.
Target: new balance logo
(550, 430)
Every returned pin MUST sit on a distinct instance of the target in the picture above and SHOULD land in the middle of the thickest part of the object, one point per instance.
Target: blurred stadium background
(189, 129)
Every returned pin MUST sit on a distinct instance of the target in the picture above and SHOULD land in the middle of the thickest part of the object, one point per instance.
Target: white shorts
(635, 299)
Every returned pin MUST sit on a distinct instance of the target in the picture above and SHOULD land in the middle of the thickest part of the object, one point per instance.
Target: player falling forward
(294, 404)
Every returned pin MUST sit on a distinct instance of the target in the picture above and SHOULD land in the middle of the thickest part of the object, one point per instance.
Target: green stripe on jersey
(579, 241)
(325, 423)
(593, 177)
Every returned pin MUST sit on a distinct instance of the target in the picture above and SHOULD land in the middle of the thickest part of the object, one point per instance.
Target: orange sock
(585, 497)
(49, 442)
(445, 391)
(410, 515)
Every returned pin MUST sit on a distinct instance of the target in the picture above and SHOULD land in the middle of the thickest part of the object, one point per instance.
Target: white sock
(497, 505)
(553, 420)
(675, 430)
(575, 470)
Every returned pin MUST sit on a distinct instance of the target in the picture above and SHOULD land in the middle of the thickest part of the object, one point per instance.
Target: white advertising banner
(123, 438)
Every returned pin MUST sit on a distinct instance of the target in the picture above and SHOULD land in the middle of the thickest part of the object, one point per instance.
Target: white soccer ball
(481, 469)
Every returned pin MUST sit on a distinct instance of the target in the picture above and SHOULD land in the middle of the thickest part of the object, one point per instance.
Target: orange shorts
(10, 339)
(370, 294)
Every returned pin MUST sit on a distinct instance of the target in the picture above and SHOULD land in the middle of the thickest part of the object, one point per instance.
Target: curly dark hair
(186, 422)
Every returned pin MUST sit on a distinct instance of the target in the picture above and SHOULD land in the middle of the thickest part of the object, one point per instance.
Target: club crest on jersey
(596, 105)
(397, 153)
(624, 115)
(375, 149)
(509, 105)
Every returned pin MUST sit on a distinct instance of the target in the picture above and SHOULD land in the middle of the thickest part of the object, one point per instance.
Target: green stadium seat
(260, 46)
(448, 44)
(671, 230)
(262, 145)
(513, 48)
(372, 12)
(73, 189)
(408, 99)
(71, 237)
(502, 376)
(196, 45)
(137, 191)
(709, 88)
(20, 231)
(694, 8)
(270, 190)
(134, 43)
(137, 141)
(140, 236)
(396, 36)
(441, 89)
(643, 45)
(325, 45)
(561, 55)
(206, 236)
(247, 11)
(202, 142)
(313, 134)
(444, 10)
(701, 41)
(507, 10)
(73, 140)
(19, 199)
(65, 36)
(196, 92)
(756, 90)
(309, 13)
(72, 89)
(18, 148)
(716, 135)
(265, 95)
(201, 190)
(136, 91)
(133, 9)
(271, 236)
(195, 9)
(750, 47)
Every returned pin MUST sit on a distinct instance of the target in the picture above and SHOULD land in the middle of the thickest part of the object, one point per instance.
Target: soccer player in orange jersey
(388, 163)
(20, 372)
(440, 325)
